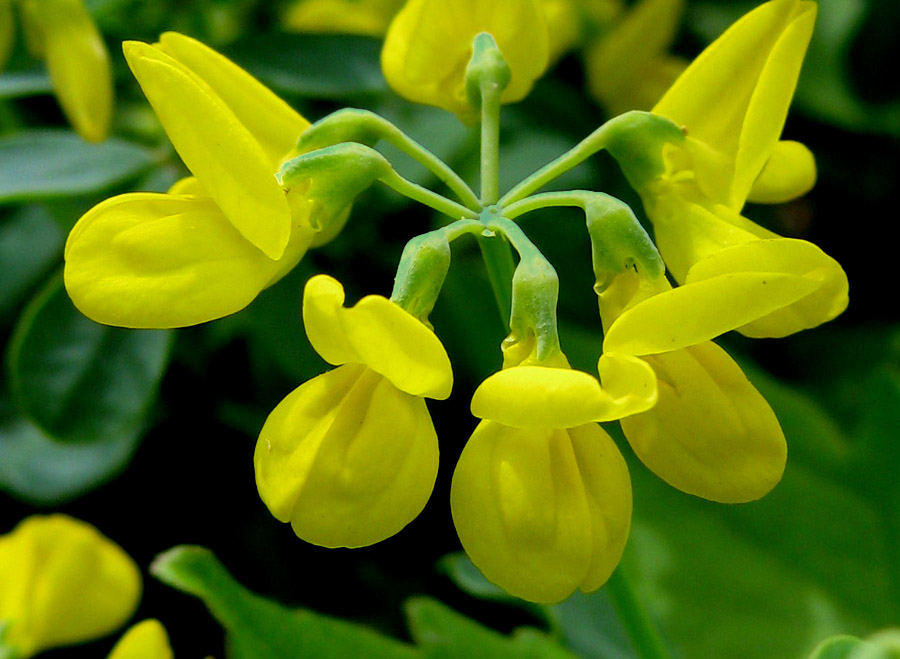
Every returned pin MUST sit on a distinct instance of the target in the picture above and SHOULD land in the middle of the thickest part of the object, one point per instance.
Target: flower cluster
(541, 495)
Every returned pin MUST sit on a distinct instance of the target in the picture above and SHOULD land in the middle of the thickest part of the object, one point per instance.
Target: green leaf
(78, 380)
(258, 627)
(884, 645)
(43, 472)
(31, 244)
(447, 634)
(314, 65)
(42, 164)
(19, 84)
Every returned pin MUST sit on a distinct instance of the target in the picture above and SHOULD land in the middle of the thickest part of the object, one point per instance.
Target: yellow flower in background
(350, 457)
(711, 433)
(732, 102)
(61, 583)
(429, 45)
(541, 497)
(62, 33)
(627, 65)
(145, 640)
(367, 17)
(208, 247)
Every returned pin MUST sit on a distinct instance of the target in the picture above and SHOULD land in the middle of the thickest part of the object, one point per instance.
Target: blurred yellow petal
(378, 333)
(546, 397)
(70, 584)
(366, 17)
(703, 309)
(542, 512)
(224, 156)
(616, 64)
(189, 185)
(429, 44)
(711, 433)
(790, 172)
(154, 260)
(145, 640)
(565, 27)
(77, 61)
(272, 122)
(348, 458)
(827, 281)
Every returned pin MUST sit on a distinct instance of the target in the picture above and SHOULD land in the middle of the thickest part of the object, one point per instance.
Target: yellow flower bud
(145, 640)
(62, 582)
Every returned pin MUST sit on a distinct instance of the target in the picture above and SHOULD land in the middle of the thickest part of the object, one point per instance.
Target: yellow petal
(702, 310)
(224, 156)
(521, 511)
(429, 44)
(189, 185)
(348, 458)
(711, 98)
(274, 124)
(77, 61)
(711, 433)
(78, 584)
(545, 397)
(370, 17)
(797, 258)
(768, 107)
(607, 486)
(790, 172)
(154, 260)
(378, 333)
(145, 640)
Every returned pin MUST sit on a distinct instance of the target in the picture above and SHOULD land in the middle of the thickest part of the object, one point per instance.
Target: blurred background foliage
(149, 435)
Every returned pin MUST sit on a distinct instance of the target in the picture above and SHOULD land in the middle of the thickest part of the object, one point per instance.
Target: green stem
(424, 196)
(397, 138)
(490, 142)
(640, 628)
(590, 145)
(543, 200)
(500, 267)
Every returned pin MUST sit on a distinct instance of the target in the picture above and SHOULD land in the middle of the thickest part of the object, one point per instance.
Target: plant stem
(424, 196)
(640, 628)
(490, 142)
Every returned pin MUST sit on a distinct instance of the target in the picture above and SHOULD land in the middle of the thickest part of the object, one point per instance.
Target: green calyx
(487, 69)
(636, 140)
(421, 272)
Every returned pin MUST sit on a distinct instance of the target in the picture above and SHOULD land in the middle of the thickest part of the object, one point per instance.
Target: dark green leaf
(317, 65)
(258, 627)
(81, 381)
(44, 472)
(31, 244)
(40, 164)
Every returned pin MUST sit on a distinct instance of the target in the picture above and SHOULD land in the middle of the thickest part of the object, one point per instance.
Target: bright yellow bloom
(732, 102)
(541, 496)
(368, 17)
(350, 457)
(62, 582)
(145, 640)
(711, 433)
(627, 66)
(429, 45)
(209, 246)
(63, 34)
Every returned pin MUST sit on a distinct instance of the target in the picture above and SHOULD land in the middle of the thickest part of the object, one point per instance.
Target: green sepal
(331, 178)
(487, 67)
(346, 125)
(6, 652)
(618, 241)
(636, 140)
(421, 272)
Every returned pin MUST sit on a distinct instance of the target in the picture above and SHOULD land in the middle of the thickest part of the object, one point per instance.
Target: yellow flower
(62, 582)
(64, 35)
(541, 496)
(210, 245)
(350, 457)
(429, 45)
(145, 640)
(732, 102)
(368, 17)
(711, 433)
